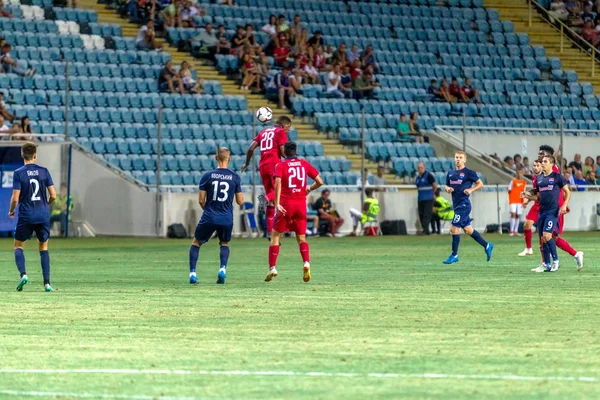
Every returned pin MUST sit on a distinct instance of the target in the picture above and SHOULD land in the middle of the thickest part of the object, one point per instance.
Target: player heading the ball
(218, 189)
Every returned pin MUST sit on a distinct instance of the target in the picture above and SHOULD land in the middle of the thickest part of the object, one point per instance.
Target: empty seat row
(105, 29)
(75, 14)
(383, 151)
(50, 53)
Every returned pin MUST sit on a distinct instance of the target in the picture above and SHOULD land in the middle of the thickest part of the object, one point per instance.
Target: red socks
(528, 235)
(564, 246)
(304, 252)
(273, 254)
(270, 216)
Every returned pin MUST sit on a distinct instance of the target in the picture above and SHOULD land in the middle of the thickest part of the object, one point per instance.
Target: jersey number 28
(297, 177)
(36, 189)
(267, 140)
(220, 191)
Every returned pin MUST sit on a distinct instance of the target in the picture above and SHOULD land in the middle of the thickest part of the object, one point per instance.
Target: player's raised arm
(202, 198)
(52, 192)
(249, 154)
(13, 202)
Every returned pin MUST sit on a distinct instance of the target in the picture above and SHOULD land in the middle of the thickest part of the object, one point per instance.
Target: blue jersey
(33, 181)
(460, 181)
(220, 186)
(549, 188)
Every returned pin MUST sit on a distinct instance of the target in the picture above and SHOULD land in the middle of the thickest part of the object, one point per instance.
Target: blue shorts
(205, 230)
(24, 230)
(547, 223)
(462, 217)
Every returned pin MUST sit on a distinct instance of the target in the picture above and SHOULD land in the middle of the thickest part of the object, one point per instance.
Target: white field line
(304, 374)
(21, 393)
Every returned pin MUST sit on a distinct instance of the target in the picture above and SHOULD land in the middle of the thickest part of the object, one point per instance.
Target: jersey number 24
(297, 177)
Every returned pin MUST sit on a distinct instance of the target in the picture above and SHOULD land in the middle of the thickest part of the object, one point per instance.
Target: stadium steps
(543, 34)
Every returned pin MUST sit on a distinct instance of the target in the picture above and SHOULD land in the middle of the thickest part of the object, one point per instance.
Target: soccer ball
(264, 114)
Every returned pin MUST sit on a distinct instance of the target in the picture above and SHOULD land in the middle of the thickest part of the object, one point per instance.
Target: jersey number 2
(220, 191)
(36, 190)
(267, 140)
(297, 176)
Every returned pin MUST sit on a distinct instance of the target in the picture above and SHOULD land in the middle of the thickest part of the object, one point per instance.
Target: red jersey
(294, 174)
(270, 141)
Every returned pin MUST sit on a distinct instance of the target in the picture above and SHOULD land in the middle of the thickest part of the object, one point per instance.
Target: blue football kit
(549, 188)
(34, 214)
(459, 181)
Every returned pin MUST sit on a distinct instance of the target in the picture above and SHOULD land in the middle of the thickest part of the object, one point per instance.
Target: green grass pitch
(374, 306)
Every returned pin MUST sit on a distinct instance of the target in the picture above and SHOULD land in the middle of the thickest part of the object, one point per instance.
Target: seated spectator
(591, 178)
(526, 168)
(281, 52)
(339, 55)
(4, 129)
(207, 39)
(403, 129)
(189, 83)
(597, 160)
(319, 60)
(346, 77)
(250, 35)
(311, 73)
(187, 13)
(301, 59)
(23, 130)
(445, 93)
(379, 179)
(282, 26)
(559, 10)
(297, 25)
(370, 77)
(263, 69)
(296, 81)
(223, 43)
(10, 66)
(302, 42)
(239, 40)
(587, 14)
(327, 213)
(517, 164)
(281, 85)
(368, 58)
(314, 43)
(576, 163)
(249, 72)
(167, 14)
(3, 111)
(433, 90)
(312, 215)
(414, 129)
(146, 38)
(588, 165)
(470, 92)
(3, 12)
(369, 212)
(355, 69)
(270, 28)
(590, 34)
(334, 81)
(579, 181)
(328, 54)
(352, 54)
(362, 88)
(168, 78)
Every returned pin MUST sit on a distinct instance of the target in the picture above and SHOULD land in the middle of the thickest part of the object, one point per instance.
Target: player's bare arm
(532, 195)
(249, 154)
(278, 206)
(448, 189)
(317, 184)
(565, 206)
(478, 185)
(239, 198)
(13, 202)
(281, 153)
(52, 197)
(202, 198)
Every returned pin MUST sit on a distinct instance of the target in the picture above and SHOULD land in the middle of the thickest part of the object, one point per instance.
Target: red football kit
(294, 174)
(270, 140)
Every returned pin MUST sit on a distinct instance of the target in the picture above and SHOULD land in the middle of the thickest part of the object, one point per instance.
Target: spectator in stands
(169, 79)
(282, 26)
(579, 181)
(597, 162)
(414, 129)
(355, 69)
(434, 91)
(362, 88)
(301, 58)
(576, 163)
(9, 64)
(223, 44)
(379, 179)
(281, 52)
(3, 12)
(371, 78)
(334, 81)
(296, 81)
(568, 175)
(270, 28)
(517, 164)
(187, 13)
(146, 38)
(3, 111)
(239, 40)
(339, 55)
(346, 77)
(207, 38)
(403, 129)
(559, 10)
(281, 85)
(189, 83)
(327, 213)
(250, 35)
(168, 15)
(319, 59)
(311, 73)
(315, 42)
(587, 14)
(328, 54)
(249, 72)
(23, 131)
(445, 93)
(5, 130)
(366, 174)
(352, 54)
(454, 90)
(590, 178)
(301, 45)
(368, 58)
(297, 25)
(470, 92)
(590, 34)
(588, 165)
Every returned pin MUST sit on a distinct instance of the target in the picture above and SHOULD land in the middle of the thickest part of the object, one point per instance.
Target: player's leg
(565, 246)
(42, 232)
(487, 246)
(224, 233)
(298, 225)
(356, 219)
(455, 232)
(528, 234)
(513, 217)
(548, 227)
(23, 232)
(266, 174)
(201, 235)
(274, 251)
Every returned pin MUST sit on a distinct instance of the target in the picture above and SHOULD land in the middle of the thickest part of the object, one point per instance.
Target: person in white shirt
(334, 80)
(10, 66)
(271, 28)
(311, 73)
(187, 14)
(145, 39)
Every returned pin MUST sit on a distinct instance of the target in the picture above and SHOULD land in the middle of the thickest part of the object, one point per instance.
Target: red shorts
(266, 174)
(533, 214)
(294, 219)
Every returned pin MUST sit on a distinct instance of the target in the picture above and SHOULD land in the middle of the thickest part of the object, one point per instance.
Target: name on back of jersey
(34, 172)
(221, 176)
(295, 164)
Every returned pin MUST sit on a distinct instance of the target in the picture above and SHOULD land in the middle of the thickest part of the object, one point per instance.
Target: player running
(515, 188)
(549, 186)
(271, 141)
(533, 216)
(290, 201)
(31, 185)
(461, 183)
(217, 191)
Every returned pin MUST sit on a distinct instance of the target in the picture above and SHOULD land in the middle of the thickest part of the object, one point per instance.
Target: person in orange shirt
(516, 187)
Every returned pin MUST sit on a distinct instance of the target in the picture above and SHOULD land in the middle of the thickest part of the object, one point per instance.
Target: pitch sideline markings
(303, 374)
(21, 393)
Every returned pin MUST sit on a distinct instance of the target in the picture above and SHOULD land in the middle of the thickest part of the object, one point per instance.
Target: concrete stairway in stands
(544, 34)
(306, 131)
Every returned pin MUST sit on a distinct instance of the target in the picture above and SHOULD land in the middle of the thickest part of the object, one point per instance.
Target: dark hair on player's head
(284, 120)
(547, 149)
(28, 151)
(223, 154)
(290, 149)
(536, 161)
(438, 192)
(369, 192)
(550, 158)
